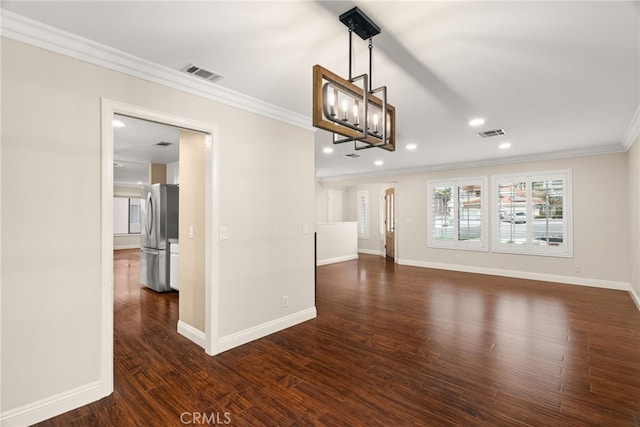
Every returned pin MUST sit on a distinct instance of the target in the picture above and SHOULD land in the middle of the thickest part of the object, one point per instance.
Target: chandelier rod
(350, 51)
(370, 61)
(351, 26)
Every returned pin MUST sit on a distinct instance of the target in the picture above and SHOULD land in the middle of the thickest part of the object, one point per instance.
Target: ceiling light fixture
(327, 150)
(378, 163)
(118, 123)
(476, 122)
(505, 145)
(343, 107)
(411, 147)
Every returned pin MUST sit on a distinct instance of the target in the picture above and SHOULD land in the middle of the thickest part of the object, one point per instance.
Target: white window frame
(529, 248)
(362, 197)
(119, 214)
(471, 245)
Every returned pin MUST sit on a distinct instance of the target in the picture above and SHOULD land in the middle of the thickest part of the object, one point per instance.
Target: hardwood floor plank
(392, 345)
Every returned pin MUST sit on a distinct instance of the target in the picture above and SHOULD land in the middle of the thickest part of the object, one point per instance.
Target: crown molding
(633, 131)
(28, 31)
(394, 173)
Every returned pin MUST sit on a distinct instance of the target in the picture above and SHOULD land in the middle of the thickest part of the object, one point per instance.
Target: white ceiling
(135, 146)
(561, 78)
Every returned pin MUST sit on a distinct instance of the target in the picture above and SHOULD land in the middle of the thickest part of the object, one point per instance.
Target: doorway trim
(212, 215)
(390, 215)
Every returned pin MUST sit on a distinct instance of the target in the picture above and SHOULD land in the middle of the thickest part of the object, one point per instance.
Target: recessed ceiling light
(479, 121)
(411, 147)
(118, 124)
(378, 163)
(327, 150)
(505, 145)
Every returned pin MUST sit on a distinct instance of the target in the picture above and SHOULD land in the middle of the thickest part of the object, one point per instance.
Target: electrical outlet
(285, 301)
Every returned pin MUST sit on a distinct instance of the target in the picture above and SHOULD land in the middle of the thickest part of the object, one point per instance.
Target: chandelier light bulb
(332, 103)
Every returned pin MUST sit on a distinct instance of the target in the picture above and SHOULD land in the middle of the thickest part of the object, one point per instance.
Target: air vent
(352, 155)
(164, 144)
(490, 133)
(202, 73)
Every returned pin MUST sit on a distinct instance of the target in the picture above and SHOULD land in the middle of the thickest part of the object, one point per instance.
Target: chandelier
(348, 107)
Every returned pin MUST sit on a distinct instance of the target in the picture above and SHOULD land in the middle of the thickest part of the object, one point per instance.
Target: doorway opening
(390, 224)
(204, 136)
(159, 189)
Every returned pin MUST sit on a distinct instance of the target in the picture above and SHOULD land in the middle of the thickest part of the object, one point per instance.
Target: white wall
(191, 263)
(601, 238)
(336, 242)
(331, 203)
(322, 206)
(51, 324)
(268, 199)
(173, 173)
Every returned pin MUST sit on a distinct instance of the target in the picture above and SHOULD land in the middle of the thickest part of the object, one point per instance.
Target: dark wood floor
(391, 346)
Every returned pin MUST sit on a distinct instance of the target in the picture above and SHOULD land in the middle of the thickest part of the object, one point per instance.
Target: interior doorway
(390, 224)
(160, 168)
(208, 337)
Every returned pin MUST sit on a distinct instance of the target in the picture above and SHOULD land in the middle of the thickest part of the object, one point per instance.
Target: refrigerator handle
(149, 222)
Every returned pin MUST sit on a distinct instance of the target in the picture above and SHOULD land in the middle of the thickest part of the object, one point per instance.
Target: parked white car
(515, 217)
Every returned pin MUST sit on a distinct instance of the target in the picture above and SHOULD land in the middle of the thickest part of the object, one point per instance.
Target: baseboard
(193, 334)
(634, 296)
(133, 246)
(370, 252)
(235, 340)
(55, 405)
(569, 280)
(335, 260)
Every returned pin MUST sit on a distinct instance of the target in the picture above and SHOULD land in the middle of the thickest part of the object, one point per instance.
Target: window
(126, 215)
(533, 213)
(458, 214)
(363, 214)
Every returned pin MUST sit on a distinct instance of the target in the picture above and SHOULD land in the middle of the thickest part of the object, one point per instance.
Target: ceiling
(135, 146)
(561, 78)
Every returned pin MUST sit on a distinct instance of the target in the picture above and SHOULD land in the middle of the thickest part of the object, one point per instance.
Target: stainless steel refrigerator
(159, 223)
